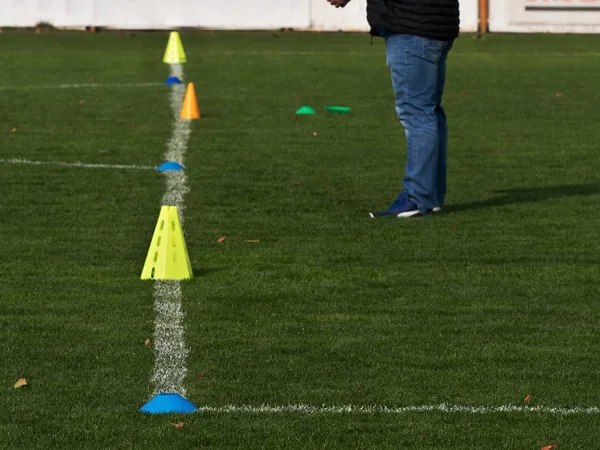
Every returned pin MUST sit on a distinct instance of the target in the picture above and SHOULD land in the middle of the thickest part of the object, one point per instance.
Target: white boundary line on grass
(78, 86)
(73, 164)
(170, 366)
(378, 409)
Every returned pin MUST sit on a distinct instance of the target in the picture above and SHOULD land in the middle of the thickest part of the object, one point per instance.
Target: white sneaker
(436, 209)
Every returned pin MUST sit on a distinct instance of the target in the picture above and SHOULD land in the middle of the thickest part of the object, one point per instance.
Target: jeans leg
(442, 130)
(414, 65)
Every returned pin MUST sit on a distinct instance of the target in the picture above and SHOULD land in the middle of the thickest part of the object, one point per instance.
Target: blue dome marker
(170, 166)
(168, 403)
(173, 80)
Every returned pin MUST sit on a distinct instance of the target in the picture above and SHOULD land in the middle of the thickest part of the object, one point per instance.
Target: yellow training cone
(174, 54)
(167, 258)
(190, 104)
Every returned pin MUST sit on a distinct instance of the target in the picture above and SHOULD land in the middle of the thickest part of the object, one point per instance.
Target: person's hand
(339, 3)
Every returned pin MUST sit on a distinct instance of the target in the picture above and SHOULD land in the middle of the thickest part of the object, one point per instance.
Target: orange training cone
(190, 104)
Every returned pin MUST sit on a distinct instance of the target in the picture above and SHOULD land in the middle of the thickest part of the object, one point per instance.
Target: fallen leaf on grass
(177, 425)
(559, 94)
(201, 376)
(81, 102)
(147, 341)
(12, 130)
(527, 399)
(221, 239)
(254, 241)
(315, 134)
(549, 447)
(20, 383)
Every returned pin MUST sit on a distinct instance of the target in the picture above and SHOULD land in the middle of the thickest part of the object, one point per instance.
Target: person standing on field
(418, 37)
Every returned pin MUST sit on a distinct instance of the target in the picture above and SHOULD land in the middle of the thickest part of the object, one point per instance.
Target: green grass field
(492, 300)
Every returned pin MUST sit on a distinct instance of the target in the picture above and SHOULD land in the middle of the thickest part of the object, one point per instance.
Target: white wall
(158, 13)
(469, 15)
(231, 14)
(353, 16)
(546, 16)
(26, 13)
(243, 14)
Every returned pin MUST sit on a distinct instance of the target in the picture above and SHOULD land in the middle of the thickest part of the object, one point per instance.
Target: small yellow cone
(190, 104)
(167, 258)
(174, 53)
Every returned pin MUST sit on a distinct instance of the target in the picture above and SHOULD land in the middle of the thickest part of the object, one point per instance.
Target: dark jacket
(433, 19)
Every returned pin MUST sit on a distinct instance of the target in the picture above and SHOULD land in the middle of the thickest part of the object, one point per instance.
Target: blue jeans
(418, 69)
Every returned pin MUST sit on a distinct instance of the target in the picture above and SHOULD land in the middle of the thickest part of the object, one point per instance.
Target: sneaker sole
(406, 214)
(403, 215)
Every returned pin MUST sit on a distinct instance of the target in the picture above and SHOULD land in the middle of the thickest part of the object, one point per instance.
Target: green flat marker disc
(305, 110)
(338, 109)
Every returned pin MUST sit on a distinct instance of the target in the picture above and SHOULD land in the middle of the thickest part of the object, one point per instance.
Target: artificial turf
(490, 301)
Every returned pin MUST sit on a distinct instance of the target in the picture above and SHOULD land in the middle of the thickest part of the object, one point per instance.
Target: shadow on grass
(513, 196)
(207, 271)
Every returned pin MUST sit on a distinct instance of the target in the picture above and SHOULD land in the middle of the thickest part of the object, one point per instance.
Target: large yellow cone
(174, 54)
(190, 109)
(167, 258)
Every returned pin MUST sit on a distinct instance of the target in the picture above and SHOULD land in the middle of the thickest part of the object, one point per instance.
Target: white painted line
(177, 146)
(74, 164)
(170, 366)
(441, 408)
(79, 86)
